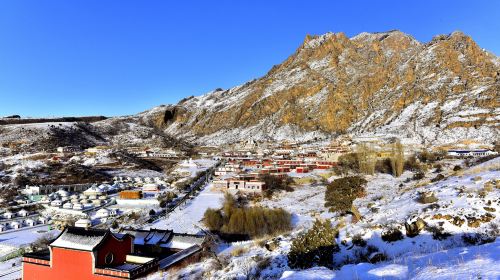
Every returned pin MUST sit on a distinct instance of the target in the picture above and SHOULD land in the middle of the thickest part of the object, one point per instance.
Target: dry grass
(326, 175)
(304, 181)
(239, 251)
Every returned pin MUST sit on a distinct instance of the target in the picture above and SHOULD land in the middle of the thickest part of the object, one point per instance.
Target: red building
(79, 253)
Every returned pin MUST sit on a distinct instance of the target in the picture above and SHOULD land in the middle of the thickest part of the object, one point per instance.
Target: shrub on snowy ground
(347, 162)
(430, 157)
(426, 197)
(383, 166)
(235, 220)
(340, 193)
(438, 177)
(477, 238)
(213, 219)
(392, 235)
(274, 184)
(315, 247)
(438, 232)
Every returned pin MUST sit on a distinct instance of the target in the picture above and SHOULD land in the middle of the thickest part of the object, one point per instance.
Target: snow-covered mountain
(373, 83)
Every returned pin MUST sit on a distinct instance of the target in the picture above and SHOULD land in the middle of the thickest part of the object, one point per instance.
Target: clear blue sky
(102, 57)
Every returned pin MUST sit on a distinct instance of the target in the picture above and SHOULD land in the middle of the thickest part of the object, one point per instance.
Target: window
(109, 258)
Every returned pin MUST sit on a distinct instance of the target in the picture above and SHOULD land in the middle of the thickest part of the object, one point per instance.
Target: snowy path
(186, 218)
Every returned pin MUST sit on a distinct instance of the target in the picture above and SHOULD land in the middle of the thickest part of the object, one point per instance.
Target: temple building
(79, 253)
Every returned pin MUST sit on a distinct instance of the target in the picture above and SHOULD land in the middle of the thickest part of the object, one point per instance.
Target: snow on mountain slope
(372, 83)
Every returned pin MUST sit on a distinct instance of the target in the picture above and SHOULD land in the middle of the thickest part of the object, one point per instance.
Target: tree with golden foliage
(366, 157)
(397, 159)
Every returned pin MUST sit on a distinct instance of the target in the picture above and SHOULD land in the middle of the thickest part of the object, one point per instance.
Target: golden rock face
(334, 84)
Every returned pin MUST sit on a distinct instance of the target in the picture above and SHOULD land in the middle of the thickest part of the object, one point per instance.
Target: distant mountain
(373, 83)
(385, 83)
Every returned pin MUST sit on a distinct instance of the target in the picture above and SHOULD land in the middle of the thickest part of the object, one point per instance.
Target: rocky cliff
(373, 83)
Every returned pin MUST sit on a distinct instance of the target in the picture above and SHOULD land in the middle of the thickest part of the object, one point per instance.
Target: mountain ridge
(385, 83)
(333, 84)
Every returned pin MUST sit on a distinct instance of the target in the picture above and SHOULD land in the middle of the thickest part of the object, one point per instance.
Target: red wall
(119, 249)
(77, 265)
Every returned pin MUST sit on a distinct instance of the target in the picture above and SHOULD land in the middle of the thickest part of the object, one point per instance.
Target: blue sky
(98, 57)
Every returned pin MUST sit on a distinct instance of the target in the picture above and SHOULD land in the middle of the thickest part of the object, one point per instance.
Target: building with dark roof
(79, 253)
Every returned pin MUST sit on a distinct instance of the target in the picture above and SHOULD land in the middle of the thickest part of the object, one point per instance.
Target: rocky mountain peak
(385, 82)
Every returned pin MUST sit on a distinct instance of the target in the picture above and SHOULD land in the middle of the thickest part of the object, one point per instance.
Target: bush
(438, 233)
(426, 198)
(392, 235)
(429, 157)
(438, 177)
(397, 159)
(236, 221)
(439, 168)
(213, 219)
(383, 166)
(418, 176)
(348, 162)
(366, 157)
(274, 183)
(358, 241)
(341, 193)
(315, 247)
(477, 238)
(412, 164)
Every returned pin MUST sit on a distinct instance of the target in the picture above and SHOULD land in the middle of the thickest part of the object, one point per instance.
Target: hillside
(373, 83)
(385, 83)
(457, 240)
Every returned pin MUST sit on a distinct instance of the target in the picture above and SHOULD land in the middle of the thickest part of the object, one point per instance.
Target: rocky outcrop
(446, 89)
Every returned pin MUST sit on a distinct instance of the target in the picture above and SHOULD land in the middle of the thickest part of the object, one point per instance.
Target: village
(143, 208)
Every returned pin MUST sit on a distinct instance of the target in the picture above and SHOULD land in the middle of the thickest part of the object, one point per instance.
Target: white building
(30, 222)
(56, 203)
(470, 153)
(93, 191)
(15, 225)
(68, 205)
(77, 206)
(83, 223)
(102, 213)
(23, 213)
(150, 188)
(8, 215)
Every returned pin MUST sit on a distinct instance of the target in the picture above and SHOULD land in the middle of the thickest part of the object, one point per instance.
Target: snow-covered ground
(390, 202)
(25, 236)
(193, 167)
(477, 262)
(305, 202)
(187, 218)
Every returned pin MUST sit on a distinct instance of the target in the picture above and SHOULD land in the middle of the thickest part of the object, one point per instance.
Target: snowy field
(25, 236)
(186, 218)
(461, 195)
(305, 202)
(478, 262)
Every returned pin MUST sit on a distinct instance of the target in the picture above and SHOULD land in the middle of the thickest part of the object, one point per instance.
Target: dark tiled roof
(150, 237)
(179, 256)
(41, 255)
(80, 238)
